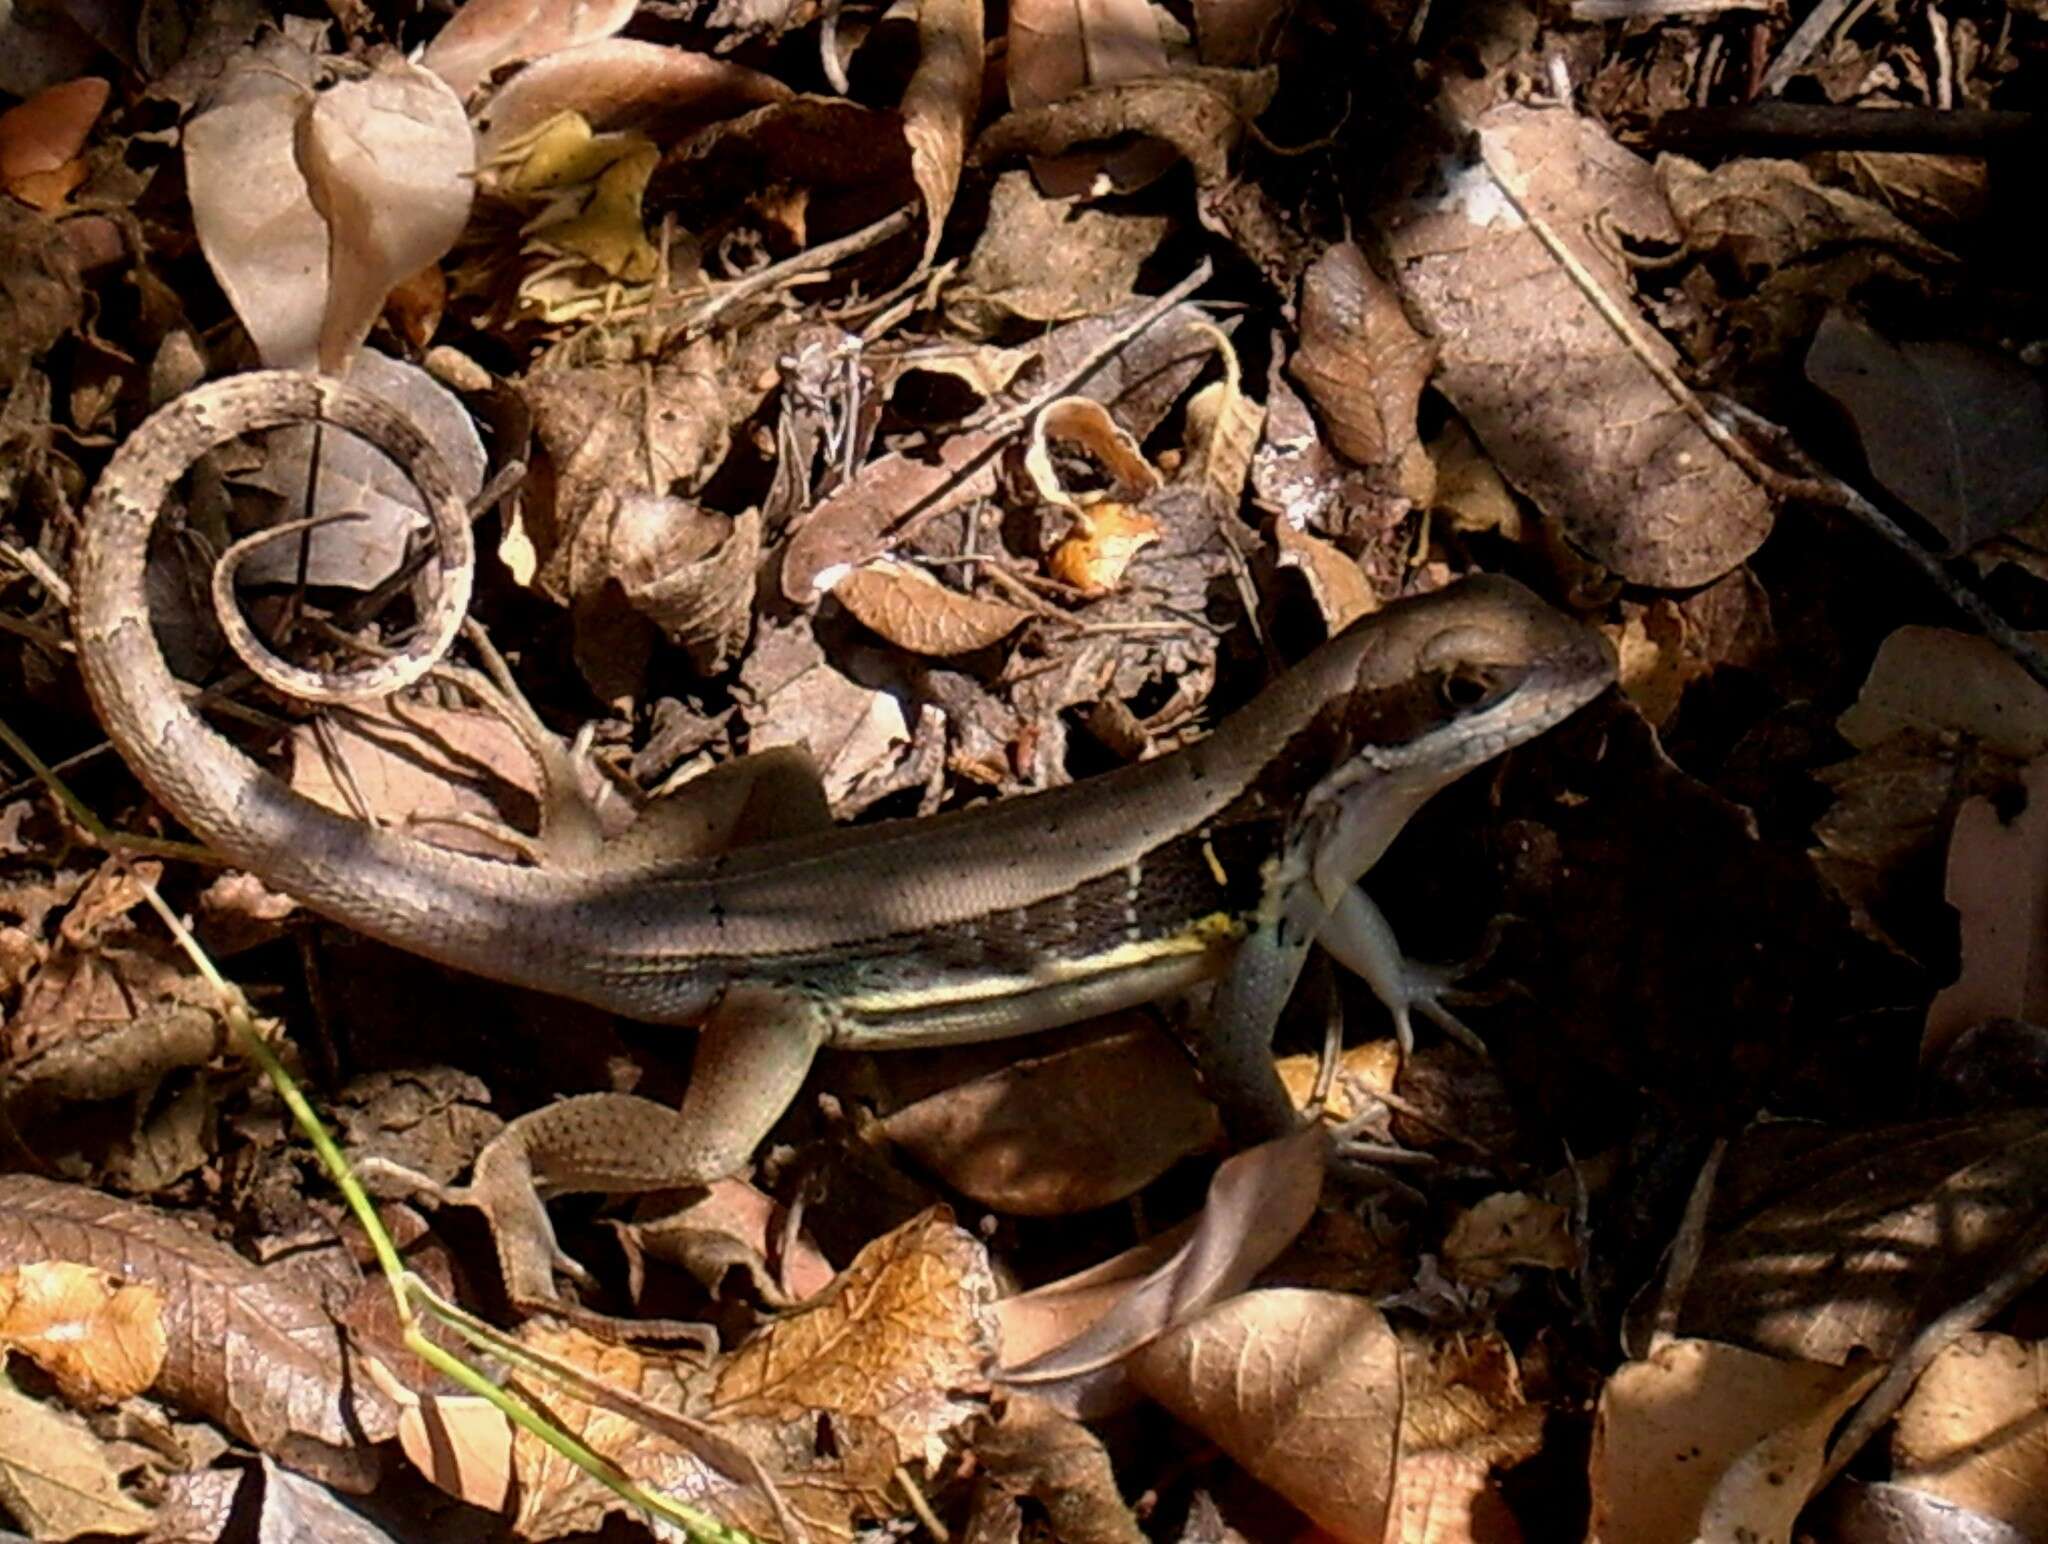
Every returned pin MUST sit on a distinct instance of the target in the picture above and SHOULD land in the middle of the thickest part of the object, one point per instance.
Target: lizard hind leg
(753, 1054)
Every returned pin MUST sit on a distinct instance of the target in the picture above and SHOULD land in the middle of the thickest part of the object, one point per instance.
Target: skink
(1222, 861)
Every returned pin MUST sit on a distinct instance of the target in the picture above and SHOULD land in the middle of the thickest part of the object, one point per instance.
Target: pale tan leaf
(1505, 1230)
(1058, 46)
(1948, 683)
(1971, 1432)
(57, 1479)
(485, 34)
(1998, 884)
(1753, 1431)
(258, 229)
(939, 105)
(100, 1340)
(915, 612)
(462, 1443)
(1222, 434)
(390, 164)
(1302, 1388)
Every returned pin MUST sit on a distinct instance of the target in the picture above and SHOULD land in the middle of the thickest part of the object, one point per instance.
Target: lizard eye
(1464, 688)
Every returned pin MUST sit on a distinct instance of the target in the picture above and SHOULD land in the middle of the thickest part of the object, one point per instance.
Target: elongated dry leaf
(1258, 1201)
(485, 34)
(390, 165)
(1361, 360)
(1301, 1388)
(915, 612)
(1971, 1431)
(939, 105)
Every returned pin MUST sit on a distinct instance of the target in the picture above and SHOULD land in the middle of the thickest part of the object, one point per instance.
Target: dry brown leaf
(1570, 415)
(1258, 1201)
(620, 83)
(484, 34)
(1469, 490)
(1033, 1450)
(1464, 1422)
(1822, 1245)
(1302, 1388)
(1107, 537)
(1050, 1135)
(100, 1340)
(1763, 215)
(1360, 360)
(40, 141)
(689, 571)
(1221, 434)
(1336, 584)
(57, 1479)
(1236, 33)
(240, 1347)
(1200, 112)
(1971, 1431)
(940, 104)
(904, 1339)
(462, 1443)
(915, 612)
(851, 732)
(1957, 434)
(1752, 1431)
(1041, 259)
(1058, 46)
(1998, 884)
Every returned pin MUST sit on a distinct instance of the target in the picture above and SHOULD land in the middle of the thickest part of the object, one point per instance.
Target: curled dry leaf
(915, 612)
(484, 34)
(1336, 584)
(1568, 412)
(1361, 361)
(1057, 47)
(1050, 1135)
(1754, 1431)
(240, 1347)
(619, 83)
(390, 165)
(1085, 425)
(1464, 1422)
(689, 571)
(1222, 434)
(1971, 1432)
(1258, 1201)
(1303, 1389)
(939, 106)
(100, 1340)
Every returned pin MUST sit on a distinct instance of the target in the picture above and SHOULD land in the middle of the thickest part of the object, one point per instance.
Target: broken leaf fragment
(101, 1340)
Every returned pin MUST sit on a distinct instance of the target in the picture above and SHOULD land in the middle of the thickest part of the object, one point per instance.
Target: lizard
(1220, 862)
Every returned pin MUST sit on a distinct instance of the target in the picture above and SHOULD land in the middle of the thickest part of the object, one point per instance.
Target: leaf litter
(924, 407)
